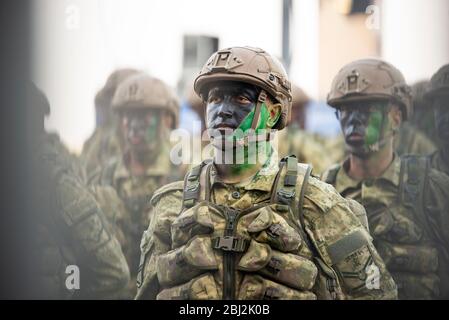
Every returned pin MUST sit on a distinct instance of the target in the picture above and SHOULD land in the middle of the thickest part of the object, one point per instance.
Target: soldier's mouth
(355, 137)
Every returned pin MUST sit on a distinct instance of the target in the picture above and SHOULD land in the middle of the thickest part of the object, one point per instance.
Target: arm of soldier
(436, 206)
(104, 272)
(156, 240)
(345, 245)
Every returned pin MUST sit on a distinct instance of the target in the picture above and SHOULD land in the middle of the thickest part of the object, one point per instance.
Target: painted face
(363, 125)
(140, 129)
(228, 104)
(441, 111)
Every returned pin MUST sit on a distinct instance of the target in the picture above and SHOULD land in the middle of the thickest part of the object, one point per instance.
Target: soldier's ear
(274, 113)
(396, 117)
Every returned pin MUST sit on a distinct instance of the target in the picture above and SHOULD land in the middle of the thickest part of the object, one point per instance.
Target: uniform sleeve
(104, 272)
(345, 245)
(156, 240)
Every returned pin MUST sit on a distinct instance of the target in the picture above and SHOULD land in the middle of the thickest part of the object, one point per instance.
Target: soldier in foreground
(105, 142)
(147, 110)
(438, 97)
(71, 237)
(405, 200)
(251, 227)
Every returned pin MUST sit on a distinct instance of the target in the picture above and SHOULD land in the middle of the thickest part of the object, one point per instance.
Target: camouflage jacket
(411, 140)
(408, 217)
(103, 145)
(71, 231)
(244, 241)
(132, 196)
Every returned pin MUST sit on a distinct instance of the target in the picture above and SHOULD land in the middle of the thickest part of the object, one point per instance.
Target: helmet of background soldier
(250, 65)
(439, 84)
(299, 102)
(105, 95)
(371, 79)
(144, 91)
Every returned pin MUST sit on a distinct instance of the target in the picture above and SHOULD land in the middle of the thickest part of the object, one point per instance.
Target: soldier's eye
(213, 99)
(243, 100)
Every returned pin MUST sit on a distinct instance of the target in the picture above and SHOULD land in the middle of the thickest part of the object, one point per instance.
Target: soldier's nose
(224, 112)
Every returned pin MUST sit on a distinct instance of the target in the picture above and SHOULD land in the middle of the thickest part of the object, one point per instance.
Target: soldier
(308, 147)
(148, 109)
(250, 229)
(105, 141)
(70, 235)
(406, 202)
(438, 97)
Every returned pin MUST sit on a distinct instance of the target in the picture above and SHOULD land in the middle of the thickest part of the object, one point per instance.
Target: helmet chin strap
(262, 98)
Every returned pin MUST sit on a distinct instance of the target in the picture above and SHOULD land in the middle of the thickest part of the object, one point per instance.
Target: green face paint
(243, 128)
(151, 132)
(374, 128)
(252, 152)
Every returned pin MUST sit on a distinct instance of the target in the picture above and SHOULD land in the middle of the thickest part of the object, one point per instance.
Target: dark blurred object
(423, 118)
(14, 221)
(352, 7)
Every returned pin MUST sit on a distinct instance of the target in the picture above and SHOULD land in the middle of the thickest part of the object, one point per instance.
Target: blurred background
(77, 43)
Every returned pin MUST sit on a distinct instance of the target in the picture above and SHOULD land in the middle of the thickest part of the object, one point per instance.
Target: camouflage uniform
(133, 192)
(282, 234)
(411, 140)
(70, 230)
(407, 205)
(105, 142)
(439, 89)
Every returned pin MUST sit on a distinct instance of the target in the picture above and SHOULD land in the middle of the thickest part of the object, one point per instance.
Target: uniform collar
(263, 180)
(161, 167)
(391, 175)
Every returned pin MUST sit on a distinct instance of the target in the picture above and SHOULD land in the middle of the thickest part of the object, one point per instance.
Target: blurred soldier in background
(257, 228)
(295, 140)
(422, 119)
(105, 141)
(438, 98)
(405, 200)
(410, 138)
(416, 136)
(147, 110)
(75, 256)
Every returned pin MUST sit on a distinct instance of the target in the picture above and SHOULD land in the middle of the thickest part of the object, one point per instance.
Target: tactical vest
(262, 252)
(403, 236)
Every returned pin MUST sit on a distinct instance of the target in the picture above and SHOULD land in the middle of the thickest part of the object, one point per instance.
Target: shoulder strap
(196, 184)
(413, 179)
(331, 175)
(413, 183)
(284, 190)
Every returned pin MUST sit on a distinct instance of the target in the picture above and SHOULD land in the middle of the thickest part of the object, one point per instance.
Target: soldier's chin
(358, 150)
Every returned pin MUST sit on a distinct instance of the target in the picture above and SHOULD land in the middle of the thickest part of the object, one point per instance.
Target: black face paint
(140, 129)
(363, 126)
(441, 107)
(228, 103)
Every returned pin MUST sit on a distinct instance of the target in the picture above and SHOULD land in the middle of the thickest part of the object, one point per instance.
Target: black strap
(192, 184)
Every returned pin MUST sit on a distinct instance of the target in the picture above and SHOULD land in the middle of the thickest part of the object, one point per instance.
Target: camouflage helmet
(439, 83)
(147, 92)
(253, 66)
(370, 79)
(105, 95)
